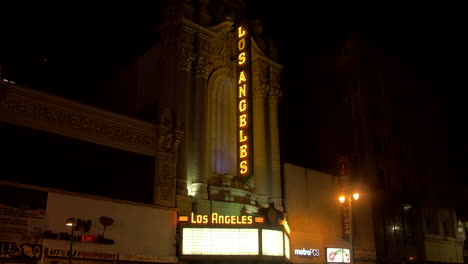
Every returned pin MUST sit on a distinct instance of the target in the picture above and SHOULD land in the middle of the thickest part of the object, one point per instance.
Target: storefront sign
(307, 252)
(19, 251)
(144, 258)
(345, 221)
(53, 252)
(215, 218)
(338, 255)
(243, 82)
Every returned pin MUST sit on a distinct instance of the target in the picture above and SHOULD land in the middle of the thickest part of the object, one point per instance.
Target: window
(382, 178)
(403, 153)
(378, 145)
(408, 220)
(404, 184)
(385, 147)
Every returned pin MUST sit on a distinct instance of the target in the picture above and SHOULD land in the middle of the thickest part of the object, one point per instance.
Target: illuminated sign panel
(220, 241)
(215, 218)
(338, 255)
(272, 242)
(198, 241)
(243, 82)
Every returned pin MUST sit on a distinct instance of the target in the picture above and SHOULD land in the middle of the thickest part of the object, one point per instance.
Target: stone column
(259, 88)
(202, 69)
(275, 184)
(185, 58)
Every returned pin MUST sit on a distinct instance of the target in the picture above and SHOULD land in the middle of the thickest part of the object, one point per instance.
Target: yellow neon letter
(243, 120)
(241, 91)
(241, 44)
(242, 105)
(214, 218)
(242, 77)
(192, 219)
(242, 137)
(249, 219)
(241, 58)
(241, 32)
(243, 151)
(243, 170)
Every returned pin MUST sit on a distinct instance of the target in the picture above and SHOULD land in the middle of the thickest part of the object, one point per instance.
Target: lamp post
(350, 199)
(71, 223)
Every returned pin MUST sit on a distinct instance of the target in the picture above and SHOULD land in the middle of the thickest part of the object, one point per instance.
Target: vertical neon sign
(243, 102)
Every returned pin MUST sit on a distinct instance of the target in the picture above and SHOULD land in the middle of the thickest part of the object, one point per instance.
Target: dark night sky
(428, 38)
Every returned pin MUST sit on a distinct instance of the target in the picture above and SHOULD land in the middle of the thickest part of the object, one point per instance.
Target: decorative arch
(222, 123)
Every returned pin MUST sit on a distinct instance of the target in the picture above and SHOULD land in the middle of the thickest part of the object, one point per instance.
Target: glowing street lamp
(342, 199)
(71, 222)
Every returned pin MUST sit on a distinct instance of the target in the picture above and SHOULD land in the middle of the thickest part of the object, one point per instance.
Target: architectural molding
(38, 110)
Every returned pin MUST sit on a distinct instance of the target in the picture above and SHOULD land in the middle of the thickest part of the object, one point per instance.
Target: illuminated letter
(241, 44)
(241, 58)
(243, 151)
(243, 120)
(244, 219)
(192, 219)
(242, 138)
(199, 219)
(242, 105)
(221, 219)
(214, 218)
(205, 219)
(241, 32)
(241, 91)
(242, 77)
(249, 219)
(227, 219)
(243, 170)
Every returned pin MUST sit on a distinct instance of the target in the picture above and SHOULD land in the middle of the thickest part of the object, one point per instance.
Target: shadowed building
(388, 123)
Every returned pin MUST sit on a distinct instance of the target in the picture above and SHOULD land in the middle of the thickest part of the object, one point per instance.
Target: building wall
(314, 215)
(137, 228)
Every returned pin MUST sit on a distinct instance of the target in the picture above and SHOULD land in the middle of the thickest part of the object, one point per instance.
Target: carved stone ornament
(274, 95)
(260, 91)
(185, 59)
(203, 67)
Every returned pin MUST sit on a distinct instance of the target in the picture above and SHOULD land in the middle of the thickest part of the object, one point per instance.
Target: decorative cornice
(38, 110)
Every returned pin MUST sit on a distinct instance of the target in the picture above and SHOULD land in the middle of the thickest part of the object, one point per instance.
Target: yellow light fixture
(356, 196)
(342, 199)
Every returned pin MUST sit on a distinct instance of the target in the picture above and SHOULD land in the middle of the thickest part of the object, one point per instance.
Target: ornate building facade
(208, 92)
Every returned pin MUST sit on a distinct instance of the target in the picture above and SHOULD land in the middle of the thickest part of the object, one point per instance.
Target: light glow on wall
(286, 247)
(220, 241)
(338, 255)
(272, 242)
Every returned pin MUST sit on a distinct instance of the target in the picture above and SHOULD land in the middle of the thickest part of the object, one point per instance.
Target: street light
(342, 199)
(71, 222)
